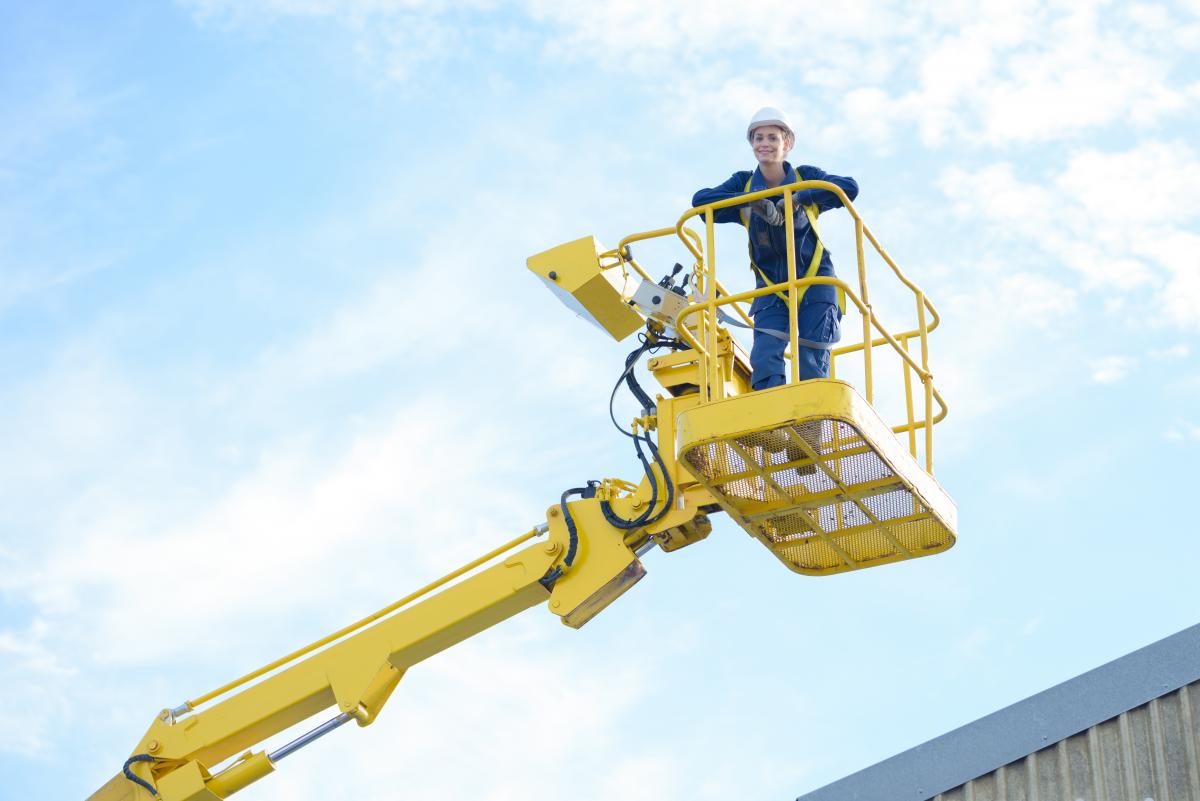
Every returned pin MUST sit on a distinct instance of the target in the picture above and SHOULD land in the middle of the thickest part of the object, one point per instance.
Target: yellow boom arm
(176, 759)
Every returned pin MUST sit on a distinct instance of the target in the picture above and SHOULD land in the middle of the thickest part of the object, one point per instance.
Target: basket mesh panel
(814, 554)
(772, 484)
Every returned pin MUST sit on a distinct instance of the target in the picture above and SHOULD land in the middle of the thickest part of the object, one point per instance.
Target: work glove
(767, 210)
(801, 220)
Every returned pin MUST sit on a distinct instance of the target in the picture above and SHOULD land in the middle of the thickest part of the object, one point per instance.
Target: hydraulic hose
(572, 532)
(555, 573)
(629, 378)
(133, 777)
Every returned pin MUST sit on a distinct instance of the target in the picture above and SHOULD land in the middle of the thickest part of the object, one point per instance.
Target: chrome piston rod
(305, 739)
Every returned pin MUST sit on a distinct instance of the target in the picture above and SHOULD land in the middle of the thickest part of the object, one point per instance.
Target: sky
(272, 359)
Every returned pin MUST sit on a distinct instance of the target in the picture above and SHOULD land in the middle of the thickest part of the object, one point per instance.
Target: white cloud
(1111, 369)
(33, 689)
(870, 113)
(84, 409)
(1179, 252)
(389, 323)
(1077, 75)
(1035, 301)
(343, 9)
(1032, 72)
(1151, 184)
(987, 313)
(59, 113)
(296, 521)
(1088, 219)
(995, 72)
(692, 105)
(997, 195)
(1183, 431)
(666, 39)
(1172, 353)
(394, 38)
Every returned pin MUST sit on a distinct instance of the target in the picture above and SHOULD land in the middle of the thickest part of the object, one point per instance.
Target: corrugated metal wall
(1150, 753)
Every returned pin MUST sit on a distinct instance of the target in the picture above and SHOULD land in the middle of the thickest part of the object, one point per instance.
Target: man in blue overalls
(820, 313)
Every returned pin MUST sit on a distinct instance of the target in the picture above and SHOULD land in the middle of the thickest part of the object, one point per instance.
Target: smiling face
(770, 144)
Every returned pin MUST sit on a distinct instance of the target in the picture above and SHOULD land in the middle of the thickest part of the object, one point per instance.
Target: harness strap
(811, 211)
(808, 343)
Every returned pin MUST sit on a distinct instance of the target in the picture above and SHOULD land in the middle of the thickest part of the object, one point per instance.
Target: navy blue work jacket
(768, 247)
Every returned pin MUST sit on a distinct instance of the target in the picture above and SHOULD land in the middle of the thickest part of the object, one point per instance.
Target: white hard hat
(769, 115)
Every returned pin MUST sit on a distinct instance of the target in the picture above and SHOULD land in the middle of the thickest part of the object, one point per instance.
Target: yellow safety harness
(811, 212)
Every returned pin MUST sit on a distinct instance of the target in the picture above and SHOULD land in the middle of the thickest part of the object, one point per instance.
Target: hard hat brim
(763, 123)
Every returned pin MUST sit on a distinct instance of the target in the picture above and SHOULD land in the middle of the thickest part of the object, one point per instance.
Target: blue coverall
(819, 318)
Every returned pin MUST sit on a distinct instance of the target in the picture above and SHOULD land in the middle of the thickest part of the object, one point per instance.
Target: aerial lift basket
(812, 472)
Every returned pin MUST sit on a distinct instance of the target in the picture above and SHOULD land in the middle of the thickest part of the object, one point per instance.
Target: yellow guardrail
(702, 334)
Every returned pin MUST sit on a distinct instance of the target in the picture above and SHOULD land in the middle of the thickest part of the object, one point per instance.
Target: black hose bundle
(649, 345)
(629, 378)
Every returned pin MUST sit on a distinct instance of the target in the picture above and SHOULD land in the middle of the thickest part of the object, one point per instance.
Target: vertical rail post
(710, 364)
(868, 373)
(862, 260)
(927, 380)
(908, 408)
(908, 402)
(793, 301)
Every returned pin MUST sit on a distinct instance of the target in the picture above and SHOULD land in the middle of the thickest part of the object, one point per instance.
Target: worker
(771, 137)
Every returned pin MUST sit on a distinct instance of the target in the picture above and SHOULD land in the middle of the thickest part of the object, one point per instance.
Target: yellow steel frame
(356, 668)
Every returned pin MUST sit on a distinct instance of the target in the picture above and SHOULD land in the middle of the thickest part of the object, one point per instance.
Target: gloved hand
(767, 210)
(799, 220)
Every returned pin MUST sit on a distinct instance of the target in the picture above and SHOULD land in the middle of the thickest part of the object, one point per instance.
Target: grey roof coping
(1016, 731)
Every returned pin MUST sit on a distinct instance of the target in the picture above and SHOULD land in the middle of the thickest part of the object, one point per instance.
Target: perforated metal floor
(819, 496)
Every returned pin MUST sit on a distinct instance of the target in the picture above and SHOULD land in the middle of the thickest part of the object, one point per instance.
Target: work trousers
(818, 322)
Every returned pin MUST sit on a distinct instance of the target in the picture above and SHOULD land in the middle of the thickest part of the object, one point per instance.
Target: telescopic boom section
(583, 565)
(356, 675)
(175, 758)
